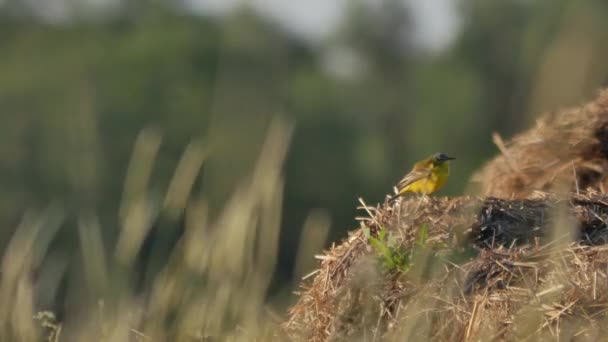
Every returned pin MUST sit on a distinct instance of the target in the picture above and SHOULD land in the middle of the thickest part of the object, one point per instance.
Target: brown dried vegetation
(546, 157)
(529, 262)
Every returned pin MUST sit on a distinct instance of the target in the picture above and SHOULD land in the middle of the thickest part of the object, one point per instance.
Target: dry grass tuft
(212, 287)
(530, 262)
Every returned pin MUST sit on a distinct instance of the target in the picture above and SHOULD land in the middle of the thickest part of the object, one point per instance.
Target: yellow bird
(426, 177)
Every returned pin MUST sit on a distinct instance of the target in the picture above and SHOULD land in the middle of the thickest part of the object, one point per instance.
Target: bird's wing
(414, 175)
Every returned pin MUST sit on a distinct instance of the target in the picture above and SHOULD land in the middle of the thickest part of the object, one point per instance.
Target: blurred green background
(371, 86)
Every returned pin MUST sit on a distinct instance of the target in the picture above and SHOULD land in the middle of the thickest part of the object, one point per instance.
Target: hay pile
(561, 145)
(522, 264)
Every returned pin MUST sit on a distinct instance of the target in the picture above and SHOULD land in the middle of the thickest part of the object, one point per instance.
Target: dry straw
(528, 260)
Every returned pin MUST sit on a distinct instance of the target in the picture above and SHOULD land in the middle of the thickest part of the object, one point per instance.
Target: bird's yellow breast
(435, 181)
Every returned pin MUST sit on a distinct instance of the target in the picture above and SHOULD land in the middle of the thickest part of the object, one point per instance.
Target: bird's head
(440, 158)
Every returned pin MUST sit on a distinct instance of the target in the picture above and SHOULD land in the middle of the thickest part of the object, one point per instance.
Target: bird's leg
(420, 198)
(399, 214)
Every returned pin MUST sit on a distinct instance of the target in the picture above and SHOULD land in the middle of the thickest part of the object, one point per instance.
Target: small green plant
(393, 257)
(423, 236)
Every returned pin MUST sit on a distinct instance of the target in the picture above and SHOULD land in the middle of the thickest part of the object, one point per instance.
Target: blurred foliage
(366, 102)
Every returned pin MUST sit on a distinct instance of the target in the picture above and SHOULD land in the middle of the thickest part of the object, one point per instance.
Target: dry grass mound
(546, 157)
(489, 269)
(529, 262)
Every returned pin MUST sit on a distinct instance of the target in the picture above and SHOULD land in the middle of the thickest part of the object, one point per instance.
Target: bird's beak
(450, 158)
